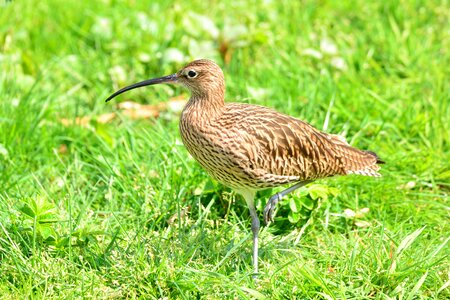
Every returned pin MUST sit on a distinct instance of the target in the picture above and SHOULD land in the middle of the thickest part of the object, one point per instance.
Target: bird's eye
(192, 74)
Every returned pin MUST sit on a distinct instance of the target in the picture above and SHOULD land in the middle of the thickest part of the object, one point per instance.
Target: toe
(267, 214)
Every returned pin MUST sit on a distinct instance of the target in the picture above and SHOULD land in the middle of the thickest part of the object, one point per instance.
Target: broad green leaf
(295, 204)
(27, 210)
(293, 217)
(318, 191)
(47, 232)
(308, 203)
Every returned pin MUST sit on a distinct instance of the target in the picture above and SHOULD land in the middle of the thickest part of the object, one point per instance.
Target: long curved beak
(166, 79)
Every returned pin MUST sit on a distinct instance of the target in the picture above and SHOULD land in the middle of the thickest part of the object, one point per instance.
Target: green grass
(98, 211)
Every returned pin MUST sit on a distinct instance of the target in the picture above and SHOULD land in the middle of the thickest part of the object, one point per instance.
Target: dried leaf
(349, 214)
(407, 186)
(144, 112)
(225, 51)
(129, 105)
(132, 110)
(81, 121)
(362, 224)
(84, 121)
(62, 149)
(139, 111)
(364, 210)
(182, 214)
(105, 118)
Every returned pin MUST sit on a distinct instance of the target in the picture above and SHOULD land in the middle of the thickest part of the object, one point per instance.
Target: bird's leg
(273, 201)
(255, 231)
(250, 199)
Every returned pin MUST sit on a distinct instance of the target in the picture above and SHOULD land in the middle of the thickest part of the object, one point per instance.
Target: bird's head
(202, 77)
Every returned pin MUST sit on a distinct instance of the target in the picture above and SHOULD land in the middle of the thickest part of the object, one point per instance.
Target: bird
(251, 147)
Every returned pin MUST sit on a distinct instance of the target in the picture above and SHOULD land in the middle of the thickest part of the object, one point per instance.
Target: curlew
(250, 147)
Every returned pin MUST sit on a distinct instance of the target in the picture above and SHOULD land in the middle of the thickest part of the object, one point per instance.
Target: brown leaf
(105, 118)
(132, 110)
(84, 121)
(129, 105)
(139, 111)
(62, 149)
(225, 51)
(391, 250)
(182, 214)
(81, 121)
(142, 113)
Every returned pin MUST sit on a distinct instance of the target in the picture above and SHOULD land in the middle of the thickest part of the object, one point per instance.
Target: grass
(99, 210)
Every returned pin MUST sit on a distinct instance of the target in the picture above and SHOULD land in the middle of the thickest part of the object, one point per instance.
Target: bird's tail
(357, 161)
(379, 161)
(368, 164)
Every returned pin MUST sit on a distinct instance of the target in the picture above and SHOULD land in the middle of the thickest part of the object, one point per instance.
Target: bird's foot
(255, 278)
(270, 207)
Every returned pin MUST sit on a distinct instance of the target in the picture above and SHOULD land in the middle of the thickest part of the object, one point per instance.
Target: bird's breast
(210, 146)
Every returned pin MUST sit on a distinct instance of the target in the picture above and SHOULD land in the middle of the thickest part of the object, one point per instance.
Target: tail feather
(379, 161)
(367, 171)
(356, 161)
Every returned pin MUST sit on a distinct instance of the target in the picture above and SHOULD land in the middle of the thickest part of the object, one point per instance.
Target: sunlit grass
(120, 210)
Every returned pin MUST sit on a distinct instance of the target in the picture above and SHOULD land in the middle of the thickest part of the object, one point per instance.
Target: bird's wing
(277, 146)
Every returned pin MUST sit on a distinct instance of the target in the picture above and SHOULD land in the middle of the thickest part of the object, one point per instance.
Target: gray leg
(273, 201)
(255, 231)
(249, 197)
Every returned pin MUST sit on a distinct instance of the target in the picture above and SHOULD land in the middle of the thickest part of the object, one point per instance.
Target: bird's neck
(205, 107)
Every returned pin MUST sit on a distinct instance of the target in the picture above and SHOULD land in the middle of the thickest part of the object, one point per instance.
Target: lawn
(102, 201)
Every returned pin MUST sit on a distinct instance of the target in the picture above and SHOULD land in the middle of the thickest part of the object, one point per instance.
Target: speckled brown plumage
(254, 147)
(251, 147)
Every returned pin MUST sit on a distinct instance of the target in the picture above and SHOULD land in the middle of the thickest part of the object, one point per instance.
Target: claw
(272, 203)
(267, 213)
(270, 207)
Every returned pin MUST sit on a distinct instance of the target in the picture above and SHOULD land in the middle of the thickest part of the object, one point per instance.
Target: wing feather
(271, 145)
